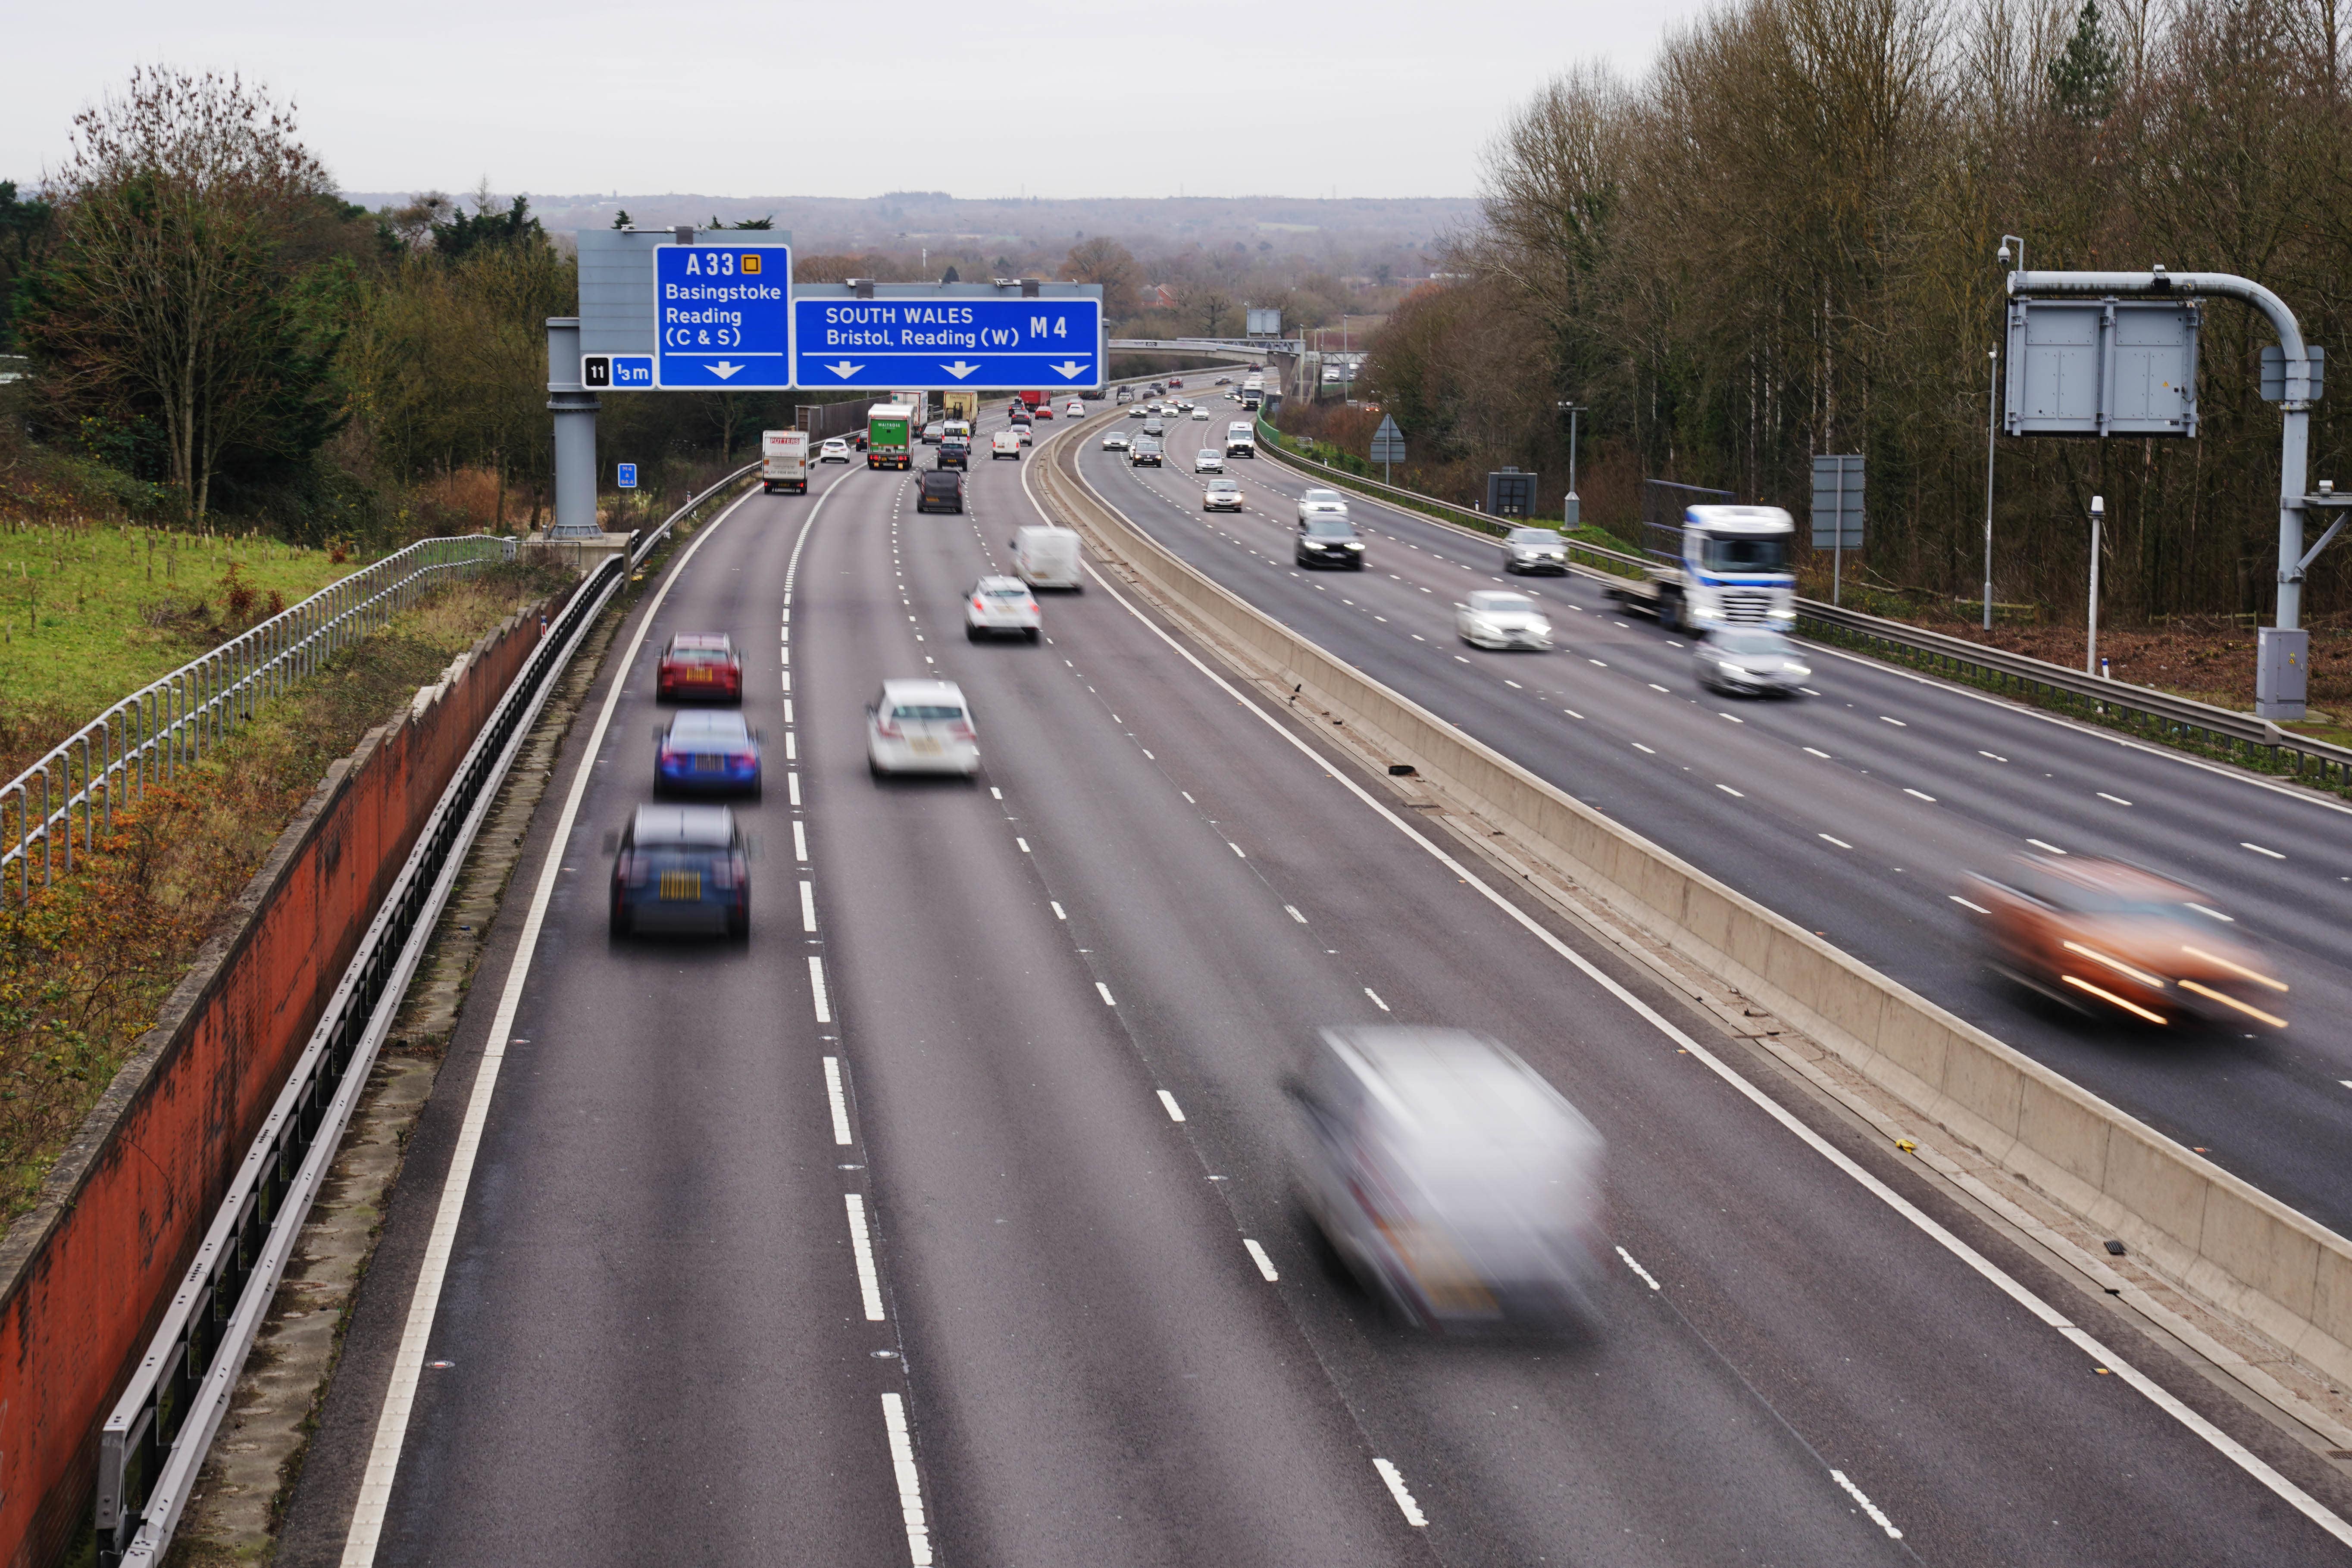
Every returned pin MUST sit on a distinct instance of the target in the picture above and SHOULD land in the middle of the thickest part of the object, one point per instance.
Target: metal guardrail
(2158, 713)
(169, 725)
(154, 1441)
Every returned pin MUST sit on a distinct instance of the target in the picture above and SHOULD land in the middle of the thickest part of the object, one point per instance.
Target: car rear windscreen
(938, 713)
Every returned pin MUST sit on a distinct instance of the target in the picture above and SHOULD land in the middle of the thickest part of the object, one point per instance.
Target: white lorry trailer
(1719, 567)
(783, 462)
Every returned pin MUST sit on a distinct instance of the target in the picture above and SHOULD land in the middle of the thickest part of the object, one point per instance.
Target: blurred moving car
(1495, 618)
(935, 432)
(1138, 411)
(2108, 938)
(682, 869)
(1454, 1181)
(707, 752)
(939, 490)
(1043, 411)
(955, 452)
(1113, 440)
(1750, 662)
(1535, 549)
(698, 665)
(1020, 430)
(835, 450)
(1327, 541)
(1199, 414)
(1208, 460)
(1001, 604)
(1074, 409)
(1222, 496)
(921, 726)
(1319, 503)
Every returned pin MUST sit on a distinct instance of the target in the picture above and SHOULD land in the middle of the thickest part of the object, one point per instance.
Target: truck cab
(1720, 567)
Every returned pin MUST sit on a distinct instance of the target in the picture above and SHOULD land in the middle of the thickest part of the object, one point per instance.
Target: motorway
(949, 1220)
(1858, 810)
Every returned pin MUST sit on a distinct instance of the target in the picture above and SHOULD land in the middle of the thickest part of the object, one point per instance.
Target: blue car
(708, 752)
(682, 869)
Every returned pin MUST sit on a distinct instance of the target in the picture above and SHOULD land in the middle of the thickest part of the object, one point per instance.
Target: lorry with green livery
(890, 432)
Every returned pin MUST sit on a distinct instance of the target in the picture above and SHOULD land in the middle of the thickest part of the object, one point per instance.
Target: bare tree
(1112, 265)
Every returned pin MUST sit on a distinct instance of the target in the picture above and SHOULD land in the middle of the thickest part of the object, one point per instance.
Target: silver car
(1535, 549)
(921, 726)
(1749, 662)
(1455, 1182)
(1495, 618)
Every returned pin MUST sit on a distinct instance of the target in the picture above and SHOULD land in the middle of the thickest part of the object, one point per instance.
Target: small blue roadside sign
(723, 316)
(946, 342)
(618, 373)
(628, 477)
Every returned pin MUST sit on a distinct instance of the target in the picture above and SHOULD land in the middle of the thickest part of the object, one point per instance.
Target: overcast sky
(1101, 98)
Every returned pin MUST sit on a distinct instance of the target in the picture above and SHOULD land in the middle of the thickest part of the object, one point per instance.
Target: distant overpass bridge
(1212, 345)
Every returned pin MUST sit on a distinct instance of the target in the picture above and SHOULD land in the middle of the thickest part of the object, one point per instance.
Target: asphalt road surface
(1859, 811)
(950, 1219)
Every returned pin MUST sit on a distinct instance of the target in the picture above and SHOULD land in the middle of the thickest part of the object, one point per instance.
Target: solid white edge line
(1868, 1507)
(838, 1101)
(2229, 1446)
(1395, 1479)
(816, 989)
(1175, 1111)
(374, 1500)
(1265, 1264)
(861, 1246)
(910, 1486)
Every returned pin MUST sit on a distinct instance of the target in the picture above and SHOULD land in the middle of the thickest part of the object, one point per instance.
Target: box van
(1004, 443)
(783, 462)
(1048, 557)
(1241, 439)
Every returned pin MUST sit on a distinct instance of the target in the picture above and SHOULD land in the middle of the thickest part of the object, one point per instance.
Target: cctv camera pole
(1992, 428)
(2098, 515)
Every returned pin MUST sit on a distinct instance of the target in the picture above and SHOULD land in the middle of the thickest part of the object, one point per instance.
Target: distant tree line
(1780, 241)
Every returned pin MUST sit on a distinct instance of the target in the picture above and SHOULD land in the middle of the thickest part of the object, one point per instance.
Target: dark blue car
(708, 752)
(682, 869)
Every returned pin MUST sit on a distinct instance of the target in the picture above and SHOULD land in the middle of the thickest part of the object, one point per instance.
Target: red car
(699, 664)
(1174, 382)
(1043, 411)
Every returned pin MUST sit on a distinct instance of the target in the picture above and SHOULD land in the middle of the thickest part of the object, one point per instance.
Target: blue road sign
(628, 477)
(618, 373)
(723, 316)
(947, 342)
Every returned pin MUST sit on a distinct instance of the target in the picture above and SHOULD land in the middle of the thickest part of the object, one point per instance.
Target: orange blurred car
(2105, 937)
(699, 664)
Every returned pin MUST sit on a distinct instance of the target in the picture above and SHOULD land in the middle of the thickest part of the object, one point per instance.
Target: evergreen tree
(2083, 80)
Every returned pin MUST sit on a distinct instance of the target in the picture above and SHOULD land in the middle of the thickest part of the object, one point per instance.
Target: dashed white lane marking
(994, 793)
(1058, 911)
(2118, 800)
(792, 748)
(1822, 754)
(1188, 797)
(1991, 755)
(1964, 903)
(1395, 1479)
(1293, 912)
(2260, 850)
(1921, 794)
(1729, 790)
(1647, 1278)
(869, 1284)
(1839, 842)
(1732, 716)
(792, 787)
(1265, 1264)
(839, 1101)
(1896, 722)
(1106, 994)
(1236, 848)
(1639, 746)
(800, 843)
(1656, 687)
(1022, 842)
(788, 710)
(808, 907)
(1376, 999)
(1868, 1507)
(910, 1486)
(816, 989)
(2038, 845)
(1175, 1111)
(2225, 919)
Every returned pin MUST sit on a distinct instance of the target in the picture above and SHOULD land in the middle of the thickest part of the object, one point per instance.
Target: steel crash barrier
(151, 736)
(155, 1438)
(2159, 715)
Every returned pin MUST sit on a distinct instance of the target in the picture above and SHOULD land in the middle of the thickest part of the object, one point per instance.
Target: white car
(921, 726)
(1182, 406)
(1222, 496)
(1322, 504)
(1113, 440)
(1074, 409)
(1493, 618)
(1001, 604)
(833, 451)
(1208, 460)
(1022, 432)
(1199, 414)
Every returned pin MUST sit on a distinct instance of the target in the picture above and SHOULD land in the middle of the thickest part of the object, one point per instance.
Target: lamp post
(2098, 515)
(1571, 509)
(1993, 427)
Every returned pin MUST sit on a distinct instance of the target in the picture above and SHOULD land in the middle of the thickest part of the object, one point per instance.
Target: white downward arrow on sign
(845, 370)
(959, 369)
(723, 369)
(1069, 368)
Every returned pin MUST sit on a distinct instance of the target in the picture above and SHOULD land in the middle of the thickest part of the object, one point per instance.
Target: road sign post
(1388, 445)
(946, 336)
(1837, 512)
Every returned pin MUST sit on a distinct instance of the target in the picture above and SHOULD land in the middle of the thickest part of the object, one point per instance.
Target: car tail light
(742, 759)
(961, 729)
(976, 602)
(887, 726)
(626, 866)
(668, 758)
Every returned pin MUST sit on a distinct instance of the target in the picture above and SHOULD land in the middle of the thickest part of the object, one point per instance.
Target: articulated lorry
(962, 405)
(890, 432)
(783, 462)
(1718, 566)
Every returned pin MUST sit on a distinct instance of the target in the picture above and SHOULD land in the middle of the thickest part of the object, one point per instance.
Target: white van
(1004, 443)
(1241, 439)
(1048, 557)
(784, 461)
